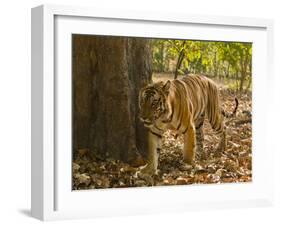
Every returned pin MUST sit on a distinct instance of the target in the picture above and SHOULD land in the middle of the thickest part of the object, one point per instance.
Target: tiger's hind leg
(189, 147)
(220, 131)
(200, 137)
(215, 116)
(218, 126)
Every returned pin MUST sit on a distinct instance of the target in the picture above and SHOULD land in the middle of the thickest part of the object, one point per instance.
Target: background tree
(221, 60)
(238, 56)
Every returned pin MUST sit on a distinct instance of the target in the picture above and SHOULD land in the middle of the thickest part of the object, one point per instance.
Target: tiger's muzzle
(146, 121)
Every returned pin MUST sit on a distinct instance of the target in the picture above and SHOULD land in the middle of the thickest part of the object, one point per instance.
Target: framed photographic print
(137, 112)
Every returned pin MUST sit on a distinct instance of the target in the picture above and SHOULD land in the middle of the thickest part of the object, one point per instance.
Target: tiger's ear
(166, 87)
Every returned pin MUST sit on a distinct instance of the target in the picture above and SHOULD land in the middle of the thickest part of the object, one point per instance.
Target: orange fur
(181, 105)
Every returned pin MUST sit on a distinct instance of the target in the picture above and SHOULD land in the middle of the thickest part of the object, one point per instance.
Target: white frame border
(43, 120)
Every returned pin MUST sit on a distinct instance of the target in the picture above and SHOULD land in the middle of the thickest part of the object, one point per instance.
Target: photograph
(157, 112)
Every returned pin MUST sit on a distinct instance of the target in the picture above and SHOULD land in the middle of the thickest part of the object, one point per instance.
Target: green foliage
(217, 59)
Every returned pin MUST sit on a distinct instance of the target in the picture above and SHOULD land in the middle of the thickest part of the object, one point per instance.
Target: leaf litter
(210, 167)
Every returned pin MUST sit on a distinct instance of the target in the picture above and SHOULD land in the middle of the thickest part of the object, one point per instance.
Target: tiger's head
(153, 102)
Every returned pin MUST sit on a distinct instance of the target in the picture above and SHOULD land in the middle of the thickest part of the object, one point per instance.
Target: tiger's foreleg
(152, 158)
(189, 144)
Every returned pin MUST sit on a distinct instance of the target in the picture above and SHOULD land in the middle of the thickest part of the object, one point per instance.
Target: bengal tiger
(181, 105)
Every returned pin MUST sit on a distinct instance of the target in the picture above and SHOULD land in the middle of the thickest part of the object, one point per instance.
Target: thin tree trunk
(227, 71)
(215, 65)
(249, 83)
(180, 59)
(236, 78)
(161, 65)
(244, 64)
(250, 75)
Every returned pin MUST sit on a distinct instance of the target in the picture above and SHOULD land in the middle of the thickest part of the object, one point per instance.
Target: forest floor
(232, 165)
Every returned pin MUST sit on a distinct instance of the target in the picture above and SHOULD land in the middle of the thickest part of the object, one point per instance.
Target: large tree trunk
(108, 73)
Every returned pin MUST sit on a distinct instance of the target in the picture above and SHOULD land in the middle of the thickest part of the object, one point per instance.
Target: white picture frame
(52, 197)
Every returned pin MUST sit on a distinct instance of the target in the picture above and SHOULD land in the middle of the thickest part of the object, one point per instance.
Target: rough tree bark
(108, 73)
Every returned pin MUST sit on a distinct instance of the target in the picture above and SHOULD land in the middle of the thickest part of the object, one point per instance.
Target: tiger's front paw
(189, 161)
(148, 169)
(189, 158)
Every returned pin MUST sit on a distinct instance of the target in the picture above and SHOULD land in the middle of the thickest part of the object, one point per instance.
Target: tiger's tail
(230, 115)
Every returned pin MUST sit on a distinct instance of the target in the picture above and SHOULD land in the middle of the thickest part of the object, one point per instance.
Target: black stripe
(171, 117)
(157, 127)
(156, 134)
(179, 126)
(200, 125)
(185, 130)
(181, 116)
